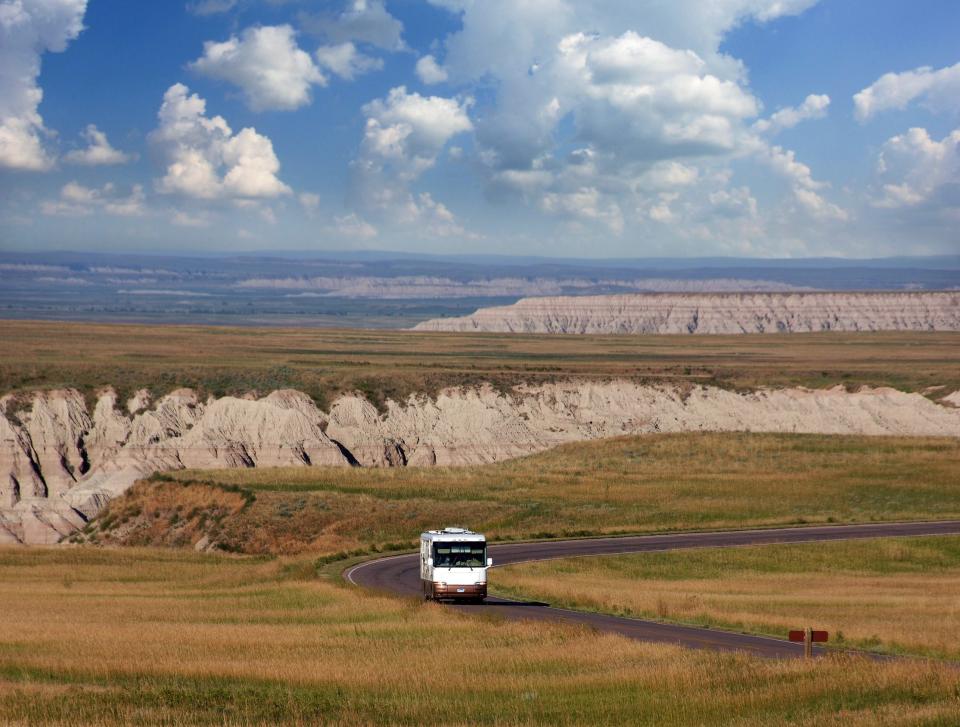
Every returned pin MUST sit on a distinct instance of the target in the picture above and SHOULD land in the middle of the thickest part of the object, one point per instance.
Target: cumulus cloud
(429, 71)
(643, 98)
(648, 101)
(504, 38)
(204, 159)
(407, 131)
(364, 21)
(805, 188)
(266, 64)
(403, 137)
(346, 61)
(98, 150)
(937, 89)
(920, 167)
(29, 28)
(813, 107)
(76, 200)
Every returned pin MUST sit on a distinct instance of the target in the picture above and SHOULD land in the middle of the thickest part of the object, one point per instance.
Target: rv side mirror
(489, 562)
(430, 562)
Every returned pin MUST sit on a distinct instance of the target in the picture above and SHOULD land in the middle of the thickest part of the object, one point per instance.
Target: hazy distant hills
(381, 289)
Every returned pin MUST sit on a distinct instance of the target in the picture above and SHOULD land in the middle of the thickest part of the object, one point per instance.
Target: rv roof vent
(459, 531)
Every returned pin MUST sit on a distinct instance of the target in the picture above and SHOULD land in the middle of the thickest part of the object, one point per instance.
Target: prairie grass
(394, 364)
(899, 595)
(106, 636)
(628, 484)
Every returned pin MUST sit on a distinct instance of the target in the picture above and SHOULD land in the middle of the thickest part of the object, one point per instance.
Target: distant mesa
(714, 313)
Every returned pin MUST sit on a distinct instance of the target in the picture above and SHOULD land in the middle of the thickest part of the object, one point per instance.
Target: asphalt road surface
(400, 575)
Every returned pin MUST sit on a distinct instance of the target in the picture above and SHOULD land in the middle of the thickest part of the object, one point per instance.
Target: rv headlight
(443, 584)
(478, 583)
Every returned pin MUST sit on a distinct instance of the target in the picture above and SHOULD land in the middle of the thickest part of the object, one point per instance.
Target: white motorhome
(453, 565)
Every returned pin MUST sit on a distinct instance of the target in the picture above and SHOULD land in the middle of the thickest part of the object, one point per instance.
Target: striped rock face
(60, 465)
(715, 313)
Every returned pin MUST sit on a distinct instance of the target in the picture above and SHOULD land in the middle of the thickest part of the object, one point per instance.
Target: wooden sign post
(808, 636)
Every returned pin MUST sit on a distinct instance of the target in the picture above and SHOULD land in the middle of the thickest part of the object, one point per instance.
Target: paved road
(400, 575)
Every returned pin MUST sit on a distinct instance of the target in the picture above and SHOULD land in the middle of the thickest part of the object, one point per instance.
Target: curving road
(400, 575)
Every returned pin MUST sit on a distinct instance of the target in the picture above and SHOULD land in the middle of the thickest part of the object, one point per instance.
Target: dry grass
(393, 364)
(628, 484)
(139, 636)
(895, 595)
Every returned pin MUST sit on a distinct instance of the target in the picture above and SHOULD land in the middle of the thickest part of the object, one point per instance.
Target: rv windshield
(459, 555)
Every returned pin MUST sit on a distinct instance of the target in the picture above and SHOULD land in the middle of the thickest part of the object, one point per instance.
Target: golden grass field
(627, 484)
(899, 595)
(394, 364)
(165, 635)
(134, 636)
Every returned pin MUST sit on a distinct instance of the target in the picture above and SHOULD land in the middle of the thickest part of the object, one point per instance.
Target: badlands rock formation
(715, 313)
(60, 464)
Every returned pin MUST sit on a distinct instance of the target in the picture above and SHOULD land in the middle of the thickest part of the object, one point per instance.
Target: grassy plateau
(394, 364)
(899, 595)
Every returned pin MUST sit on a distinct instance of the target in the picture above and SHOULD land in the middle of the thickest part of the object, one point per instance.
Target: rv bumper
(455, 592)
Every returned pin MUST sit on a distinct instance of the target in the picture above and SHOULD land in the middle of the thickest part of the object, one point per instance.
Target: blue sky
(546, 127)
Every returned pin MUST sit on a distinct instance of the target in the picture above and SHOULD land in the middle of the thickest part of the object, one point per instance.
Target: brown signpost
(808, 637)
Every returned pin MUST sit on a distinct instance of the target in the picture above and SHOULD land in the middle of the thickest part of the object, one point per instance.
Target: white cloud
(805, 188)
(819, 207)
(28, 28)
(648, 100)
(204, 159)
(813, 107)
(346, 61)
(266, 64)
(784, 162)
(938, 89)
(364, 21)
(408, 131)
(404, 134)
(98, 150)
(643, 111)
(429, 71)
(504, 38)
(76, 200)
(920, 168)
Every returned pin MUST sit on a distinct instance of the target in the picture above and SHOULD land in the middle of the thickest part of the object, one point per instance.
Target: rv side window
(459, 555)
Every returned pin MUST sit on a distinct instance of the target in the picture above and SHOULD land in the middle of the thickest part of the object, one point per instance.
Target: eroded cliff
(60, 464)
(715, 313)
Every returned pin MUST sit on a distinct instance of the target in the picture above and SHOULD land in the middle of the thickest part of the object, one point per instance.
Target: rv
(453, 565)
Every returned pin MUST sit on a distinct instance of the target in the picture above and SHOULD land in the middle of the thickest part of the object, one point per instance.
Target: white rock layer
(715, 313)
(59, 466)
